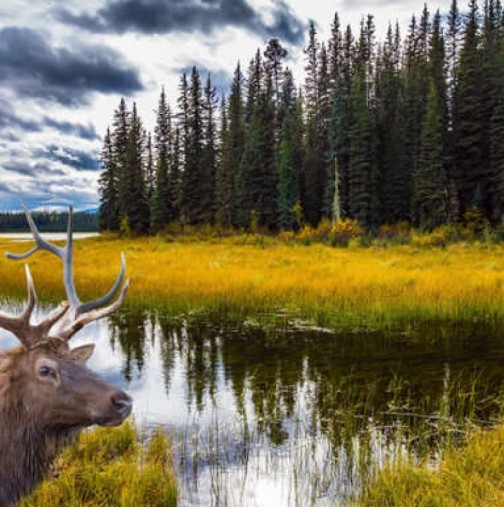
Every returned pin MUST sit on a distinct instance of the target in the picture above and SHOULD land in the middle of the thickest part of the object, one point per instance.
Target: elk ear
(5, 361)
(82, 354)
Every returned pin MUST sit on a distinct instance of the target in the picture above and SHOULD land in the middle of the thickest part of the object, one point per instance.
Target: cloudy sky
(64, 65)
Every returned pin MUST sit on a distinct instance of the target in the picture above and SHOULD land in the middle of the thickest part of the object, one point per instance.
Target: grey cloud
(38, 170)
(30, 66)
(165, 16)
(77, 129)
(9, 121)
(76, 159)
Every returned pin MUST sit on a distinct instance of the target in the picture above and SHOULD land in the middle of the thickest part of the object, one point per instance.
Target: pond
(289, 415)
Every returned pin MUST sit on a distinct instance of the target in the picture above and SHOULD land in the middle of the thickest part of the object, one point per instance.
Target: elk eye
(46, 371)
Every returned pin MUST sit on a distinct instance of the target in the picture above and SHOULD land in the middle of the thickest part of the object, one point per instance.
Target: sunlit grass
(110, 467)
(375, 287)
(472, 476)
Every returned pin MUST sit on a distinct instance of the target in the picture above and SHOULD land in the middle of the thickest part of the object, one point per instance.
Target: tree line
(48, 221)
(407, 129)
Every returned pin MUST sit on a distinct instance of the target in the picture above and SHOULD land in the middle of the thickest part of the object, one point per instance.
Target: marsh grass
(471, 476)
(110, 467)
(372, 287)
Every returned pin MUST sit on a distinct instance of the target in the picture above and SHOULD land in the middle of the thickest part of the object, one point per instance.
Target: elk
(47, 394)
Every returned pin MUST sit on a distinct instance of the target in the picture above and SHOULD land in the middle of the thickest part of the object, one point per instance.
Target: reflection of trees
(413, 390)
(129, 330)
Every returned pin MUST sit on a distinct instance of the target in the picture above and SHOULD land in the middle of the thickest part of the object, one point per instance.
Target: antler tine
(67, 332)
(79, 313)
(98, 303)
(19, 325)
(40, 242)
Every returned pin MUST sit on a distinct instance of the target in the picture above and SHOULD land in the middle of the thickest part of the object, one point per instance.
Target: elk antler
(19, 325)
(79, 313)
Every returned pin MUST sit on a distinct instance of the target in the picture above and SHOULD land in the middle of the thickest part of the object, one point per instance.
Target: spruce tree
(470, 164)
(232, 147)
(119, 140)
(109, 213)
(194, 195)
(289, 156)
(430, 179)
(137, 206)
(162, 208)
(209, 154)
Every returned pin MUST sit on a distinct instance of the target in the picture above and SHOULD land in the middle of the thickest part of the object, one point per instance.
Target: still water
(289, 415)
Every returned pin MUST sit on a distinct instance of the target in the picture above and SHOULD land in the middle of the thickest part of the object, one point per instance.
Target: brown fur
(40, 412)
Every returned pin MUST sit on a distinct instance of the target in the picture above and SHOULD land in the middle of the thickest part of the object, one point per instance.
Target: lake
(292, 415)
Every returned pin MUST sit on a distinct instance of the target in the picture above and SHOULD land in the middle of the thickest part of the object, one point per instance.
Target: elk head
(44, 382)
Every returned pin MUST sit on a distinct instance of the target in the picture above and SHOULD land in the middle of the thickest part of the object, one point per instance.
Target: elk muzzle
(117, 410)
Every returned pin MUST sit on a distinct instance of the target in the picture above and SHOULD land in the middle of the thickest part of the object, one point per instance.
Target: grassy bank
(110, 467)
(375, 287)
(472, 476)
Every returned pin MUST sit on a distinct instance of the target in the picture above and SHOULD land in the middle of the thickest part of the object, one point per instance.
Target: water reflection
(291, 416)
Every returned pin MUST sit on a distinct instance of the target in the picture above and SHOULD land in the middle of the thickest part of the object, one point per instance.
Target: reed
(373, 287)
(110, 467)
(471, 476)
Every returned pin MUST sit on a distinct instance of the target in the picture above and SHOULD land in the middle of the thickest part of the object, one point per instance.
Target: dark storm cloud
(165, 16)
(30, 66)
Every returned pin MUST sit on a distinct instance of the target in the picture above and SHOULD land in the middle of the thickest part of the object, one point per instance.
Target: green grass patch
(110, 467)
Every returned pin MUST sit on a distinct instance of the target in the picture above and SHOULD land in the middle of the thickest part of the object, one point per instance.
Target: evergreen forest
(405, 129)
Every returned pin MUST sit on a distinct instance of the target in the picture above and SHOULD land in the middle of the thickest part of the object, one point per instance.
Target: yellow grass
(110, 468)
(472, 476)
(354, 286)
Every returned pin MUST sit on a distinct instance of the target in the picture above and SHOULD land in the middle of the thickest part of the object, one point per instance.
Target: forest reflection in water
(286, 415)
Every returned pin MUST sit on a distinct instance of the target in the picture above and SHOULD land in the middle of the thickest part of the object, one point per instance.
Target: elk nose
(122, 403)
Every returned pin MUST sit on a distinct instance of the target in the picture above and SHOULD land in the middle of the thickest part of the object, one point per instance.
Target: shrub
(345, 230)
(399, 233)
(439, 237)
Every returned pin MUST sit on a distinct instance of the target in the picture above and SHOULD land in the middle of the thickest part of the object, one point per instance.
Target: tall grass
(110, 467)
(472, 476)
(377, 287)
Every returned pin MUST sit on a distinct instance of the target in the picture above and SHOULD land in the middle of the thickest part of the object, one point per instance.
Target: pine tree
(430, 180)
(137, 206)
(109, 213)
(119, 140)
(209, 154)
(496, 154)
(393, 171)
(232, 147)
(176, 174)
(315, 175)
(150, 173)
(274, 54)
(289, 156)
(162, 208)
(470, 165)
(363, 167)
(193, 184)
